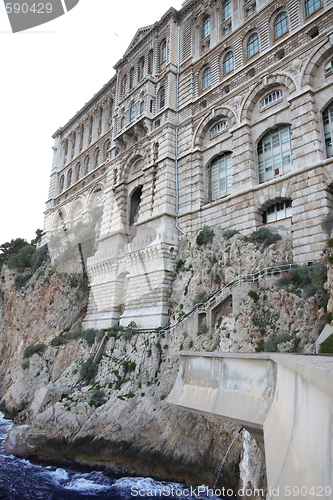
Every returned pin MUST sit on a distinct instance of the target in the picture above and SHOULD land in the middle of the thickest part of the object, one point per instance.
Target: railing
(225, 291)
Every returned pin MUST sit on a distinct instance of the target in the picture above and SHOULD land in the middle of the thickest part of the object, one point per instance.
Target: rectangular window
(311, 6)
(142, 107)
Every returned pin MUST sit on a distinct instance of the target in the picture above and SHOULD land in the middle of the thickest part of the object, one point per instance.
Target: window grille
(274, 154)
(253, 45)
(281, 24)
(271, 97)
(206, 78)
(221, 177)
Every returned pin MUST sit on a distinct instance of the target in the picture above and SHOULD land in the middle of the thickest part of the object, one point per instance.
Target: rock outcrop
(119, 417)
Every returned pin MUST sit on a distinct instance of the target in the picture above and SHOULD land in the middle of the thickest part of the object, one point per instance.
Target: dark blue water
(22, 480)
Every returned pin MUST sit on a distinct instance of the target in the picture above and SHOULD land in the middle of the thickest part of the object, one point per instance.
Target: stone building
(219, 114)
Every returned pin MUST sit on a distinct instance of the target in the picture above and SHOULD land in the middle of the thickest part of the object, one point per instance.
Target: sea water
(21, 479)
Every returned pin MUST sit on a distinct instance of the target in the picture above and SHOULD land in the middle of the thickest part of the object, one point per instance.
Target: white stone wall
(131, 271)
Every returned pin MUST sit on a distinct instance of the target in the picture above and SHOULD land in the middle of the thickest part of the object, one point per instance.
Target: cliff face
(119, 418)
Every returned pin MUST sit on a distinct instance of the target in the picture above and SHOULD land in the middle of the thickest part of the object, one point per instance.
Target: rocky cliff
(114, 413)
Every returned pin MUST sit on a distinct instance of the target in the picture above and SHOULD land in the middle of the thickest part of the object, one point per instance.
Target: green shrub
(206, 235)
(229, 233)
(87, 369)
(21, 281)
(328, 317)
(89, 336)
(180, 266)
(25, 365)
(22, 258)
(330, 259)
(327, 223)
(260, 345)
(58, 340)
(98, 398)
(327, 345)
(273, 341)
(162, 397)
(131, 366)
(264, 237)
(41, 255)
(253, 295)
(33, 349)
(311, 279)
(330, 242)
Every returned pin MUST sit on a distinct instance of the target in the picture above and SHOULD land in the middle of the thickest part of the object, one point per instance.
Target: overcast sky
(47, 74)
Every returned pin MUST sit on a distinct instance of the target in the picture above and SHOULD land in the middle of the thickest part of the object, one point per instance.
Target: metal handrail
(241, 278)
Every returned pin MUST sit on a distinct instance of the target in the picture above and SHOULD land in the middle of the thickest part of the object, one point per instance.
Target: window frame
(273, 100)
(163, 51)
(224, 164)
(206, 77)
(205, 26)
(162, 98)
(226, 10)
(97, 157)
(313, 4)
(275, 23)
(124, 85)
(270, 215)
(328, 130)
(273, 164)
(226, 69)
(250, 43)
(132, 112)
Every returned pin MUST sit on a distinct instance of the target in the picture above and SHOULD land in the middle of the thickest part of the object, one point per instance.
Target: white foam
(58, 475)
(83, 484)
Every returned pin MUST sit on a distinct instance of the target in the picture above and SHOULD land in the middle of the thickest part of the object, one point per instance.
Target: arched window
(206, 78)
(252, 45)
(205, 26)
(163, 51)
(228, 62)
(97, 155)
(87, 164)
(274, 154)
(226, 10)
(311, 6)
(281, 25)
(150, 62)
(141, 68)
(278, 211)
(69, 177)
(62, 183)
(138, 165)
(131, 78)
(124, 85)
(135, 205)
(221, 177)
(78, 171)
(108, 149)
(132, 112)
(162, 98)
(328, 130)
(271, 97)
(218, 127)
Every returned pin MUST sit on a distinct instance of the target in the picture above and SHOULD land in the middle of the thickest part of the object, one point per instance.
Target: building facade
(219, 114)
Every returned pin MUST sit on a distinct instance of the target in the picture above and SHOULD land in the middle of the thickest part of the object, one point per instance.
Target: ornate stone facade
(220, 114)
